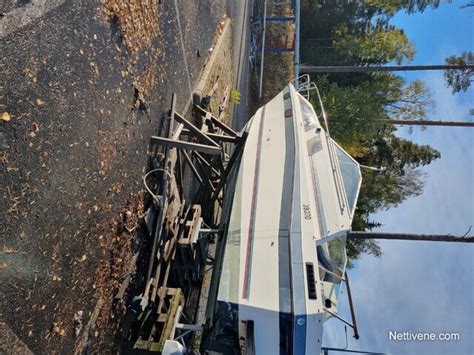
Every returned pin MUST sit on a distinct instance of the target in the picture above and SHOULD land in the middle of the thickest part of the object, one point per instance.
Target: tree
(403, 100)
(357, 35)
(469, 4)
(390, 7)
(388, 68)
(460, 79)
(357, 246)
(375, 143)
(377, 44)
(417, 122)
(410, 236)
(380, 96)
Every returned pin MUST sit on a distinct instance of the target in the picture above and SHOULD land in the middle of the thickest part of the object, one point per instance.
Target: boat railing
(304, 86)
(353, 322)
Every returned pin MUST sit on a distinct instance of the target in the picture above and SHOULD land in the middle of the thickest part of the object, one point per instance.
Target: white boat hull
(276, 219)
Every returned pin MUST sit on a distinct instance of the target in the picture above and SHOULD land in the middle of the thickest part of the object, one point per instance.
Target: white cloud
(413, 287)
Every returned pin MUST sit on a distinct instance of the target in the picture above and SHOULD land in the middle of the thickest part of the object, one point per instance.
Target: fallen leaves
(31, 74)
(137, 21)
(94, 68)
(39, 102)
(4, 158)
(56, 329)
(5, 117)
(78, 323)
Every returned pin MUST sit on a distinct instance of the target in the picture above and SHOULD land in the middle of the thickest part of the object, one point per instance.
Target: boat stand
(188, 160)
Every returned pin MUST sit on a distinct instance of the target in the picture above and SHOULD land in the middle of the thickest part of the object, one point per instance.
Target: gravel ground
(83, 94)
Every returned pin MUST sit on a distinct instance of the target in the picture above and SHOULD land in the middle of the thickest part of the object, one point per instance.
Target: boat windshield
(351, 175)
(332, 264)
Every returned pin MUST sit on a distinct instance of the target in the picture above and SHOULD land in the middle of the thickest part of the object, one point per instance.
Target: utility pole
(411, 122)
(409, 236)
(297, 38)
(388, 68)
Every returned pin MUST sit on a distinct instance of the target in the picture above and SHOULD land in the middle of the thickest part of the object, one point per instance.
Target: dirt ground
(83, 93)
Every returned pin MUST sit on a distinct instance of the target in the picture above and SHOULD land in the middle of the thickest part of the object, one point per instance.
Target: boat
(288, 206)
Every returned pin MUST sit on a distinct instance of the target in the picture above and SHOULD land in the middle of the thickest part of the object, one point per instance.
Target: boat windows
(309, 116)
(332, 264)
(351, 176)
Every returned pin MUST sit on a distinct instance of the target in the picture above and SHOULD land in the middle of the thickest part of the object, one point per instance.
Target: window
(351, 176)
(309, 116)
(332, 265)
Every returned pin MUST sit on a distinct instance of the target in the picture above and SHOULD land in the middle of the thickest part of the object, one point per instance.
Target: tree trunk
(408, 236)
(412, 122)
(361, 69)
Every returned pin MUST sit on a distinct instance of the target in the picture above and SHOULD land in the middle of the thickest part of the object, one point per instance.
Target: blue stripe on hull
(285, 288)
(300, 334)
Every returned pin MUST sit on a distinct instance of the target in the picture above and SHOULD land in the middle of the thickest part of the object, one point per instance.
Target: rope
(157, 200)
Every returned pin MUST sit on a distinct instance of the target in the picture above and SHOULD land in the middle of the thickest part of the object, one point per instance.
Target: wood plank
(208, 149)
(193, 129)
(216, 122)
(222, 138)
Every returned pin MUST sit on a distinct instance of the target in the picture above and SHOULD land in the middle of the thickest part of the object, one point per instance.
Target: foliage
(469, 4)
(354, 111)
(355, 247)
(459, 79)
(235, 96)
(358, 33)
(377, 44)
(390, 7)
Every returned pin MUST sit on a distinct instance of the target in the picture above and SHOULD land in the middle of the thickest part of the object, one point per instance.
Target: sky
(424, 286)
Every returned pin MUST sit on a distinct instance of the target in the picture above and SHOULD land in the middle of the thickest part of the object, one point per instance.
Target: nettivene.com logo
(423, 336)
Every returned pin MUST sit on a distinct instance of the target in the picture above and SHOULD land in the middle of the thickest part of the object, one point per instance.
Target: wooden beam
(208, 149)
(205, 162)
(222, 138)
(226, 129)
(172, 113)
(193, 167)
(235, 155)
(194, 130)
